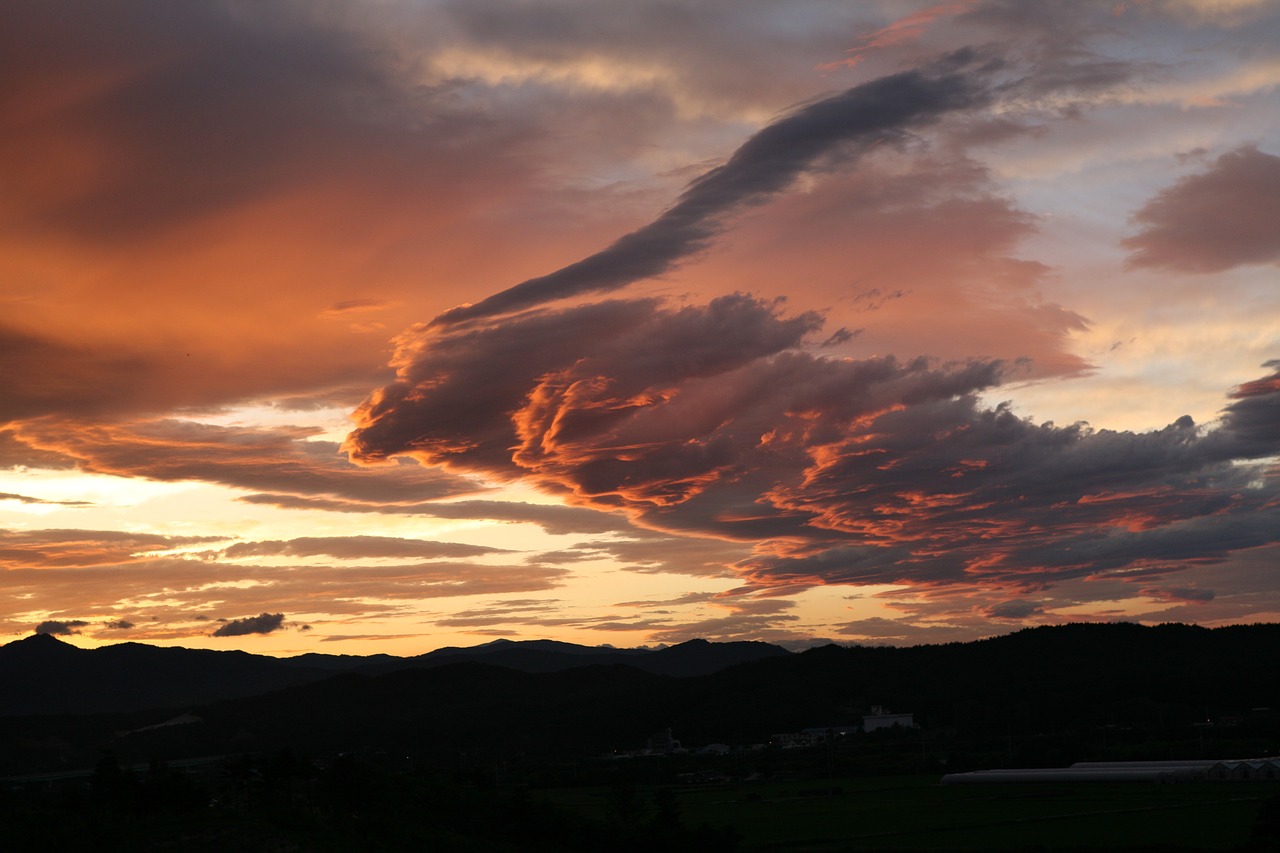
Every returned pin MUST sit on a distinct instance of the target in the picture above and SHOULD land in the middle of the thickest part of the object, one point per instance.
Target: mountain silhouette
(44, 675)
(1044, 696)
(695, 657)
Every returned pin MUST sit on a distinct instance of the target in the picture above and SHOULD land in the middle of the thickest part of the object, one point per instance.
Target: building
(881, 718)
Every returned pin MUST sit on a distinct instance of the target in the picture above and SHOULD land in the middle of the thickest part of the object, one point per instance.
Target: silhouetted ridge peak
(43, 639)
(43, 644)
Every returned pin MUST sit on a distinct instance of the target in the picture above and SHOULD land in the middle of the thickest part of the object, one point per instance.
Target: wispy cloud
(765, 164)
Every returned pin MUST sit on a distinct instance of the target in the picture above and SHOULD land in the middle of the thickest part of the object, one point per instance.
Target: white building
(881, 718)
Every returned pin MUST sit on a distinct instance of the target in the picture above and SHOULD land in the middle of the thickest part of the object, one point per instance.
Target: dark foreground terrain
(281, 804)
(766, 754)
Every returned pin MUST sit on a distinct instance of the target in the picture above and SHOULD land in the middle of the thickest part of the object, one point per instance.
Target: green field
(916, 813)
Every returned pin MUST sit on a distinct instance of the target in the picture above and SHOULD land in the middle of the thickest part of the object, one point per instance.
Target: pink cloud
(902, 31)
(1215, 220)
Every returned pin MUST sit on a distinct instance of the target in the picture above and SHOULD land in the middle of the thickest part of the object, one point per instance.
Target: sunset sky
(388, 325)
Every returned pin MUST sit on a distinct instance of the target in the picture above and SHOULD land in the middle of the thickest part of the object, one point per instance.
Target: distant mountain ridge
(44, 675)
(1052, 695)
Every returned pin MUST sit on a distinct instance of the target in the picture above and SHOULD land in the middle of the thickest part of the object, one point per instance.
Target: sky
(382, 326)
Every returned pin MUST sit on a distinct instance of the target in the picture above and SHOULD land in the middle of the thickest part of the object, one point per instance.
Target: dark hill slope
(1044, 681)
(1040, 679)
(695, 657)
(43, 675)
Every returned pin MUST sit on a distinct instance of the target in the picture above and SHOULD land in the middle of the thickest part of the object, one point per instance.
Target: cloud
(339, 638)
(552, 518)
(289, 93)
(94, 575)
(119, 625)
(470, 379)
(87, 369)
(717, 619)
(853, 239)
(283, 159)
(284, 460)
(26, 499)
(1179, 594)
(905, 632)
(713, 421)
(1014, 609)
(762, 166)
(37, 371)
(548, 613)
(1213, 221)
(309, 166)
(355, 306)
(62, 629)
(654, 553)
(1226, 13)
(264, 623)
(52, 548)
(16, 454)
(761, 619)
(903, 30)
(631, 405)
(356, 548)
(948, 493)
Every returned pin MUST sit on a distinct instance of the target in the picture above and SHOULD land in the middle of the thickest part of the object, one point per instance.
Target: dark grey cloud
(949, 493)
(62, 629)
(710, 421)
(263, 623)
(119, 625)
(459, 387)
(1223, 217)
(765, 164)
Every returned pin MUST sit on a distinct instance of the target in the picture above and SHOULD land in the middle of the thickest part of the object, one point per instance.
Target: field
(916, 813)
